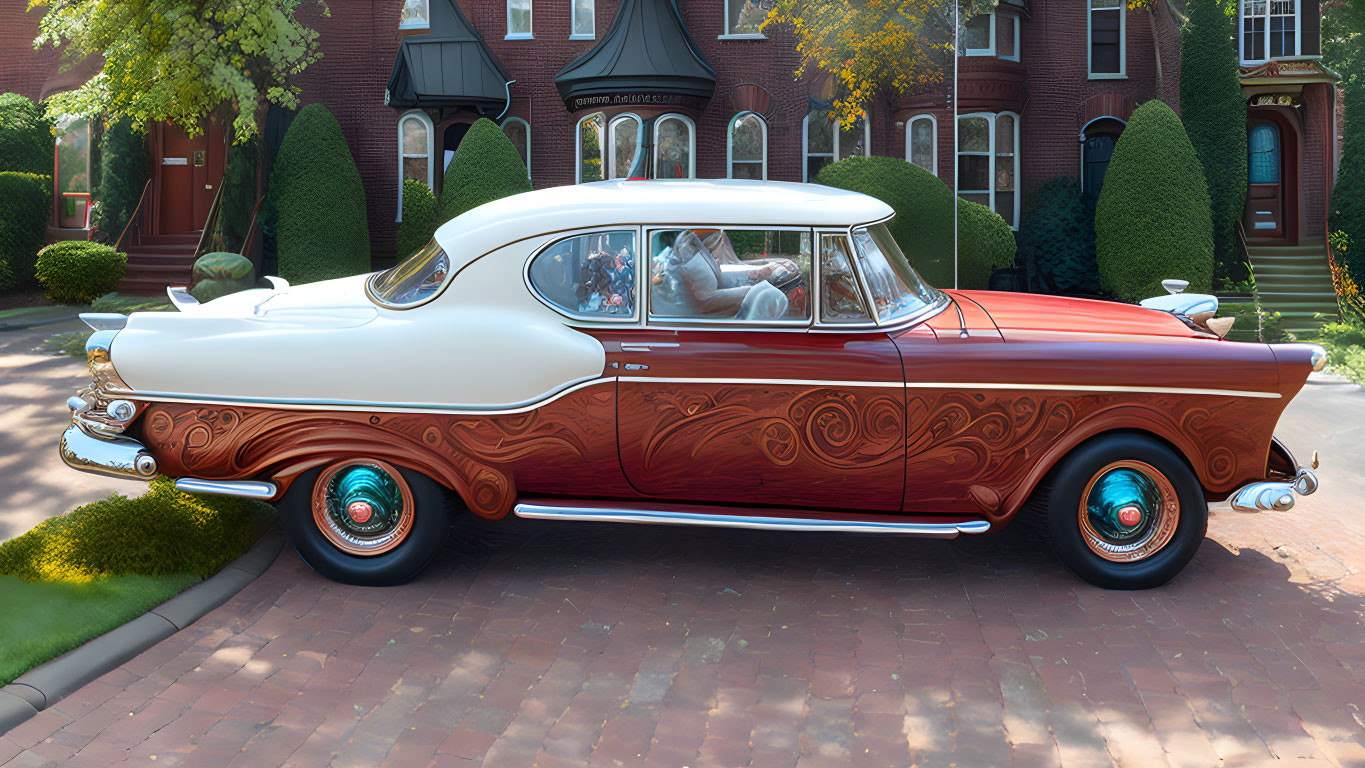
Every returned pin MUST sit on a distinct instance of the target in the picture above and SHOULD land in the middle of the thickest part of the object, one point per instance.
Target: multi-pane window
(673, 145)
(921, 141)
(1106, 51)
(414, 152)
(582, 23)
(754, 275)
(748, 147)
(988, 163)
(976, 38)
(518, 132)
(1270, 29)
(518, 19)
(827, 141)
(744, 17)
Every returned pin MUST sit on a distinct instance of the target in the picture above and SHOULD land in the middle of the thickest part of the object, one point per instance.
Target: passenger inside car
(697, 274)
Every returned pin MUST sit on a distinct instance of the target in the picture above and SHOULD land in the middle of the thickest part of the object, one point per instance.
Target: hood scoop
(1198, 310)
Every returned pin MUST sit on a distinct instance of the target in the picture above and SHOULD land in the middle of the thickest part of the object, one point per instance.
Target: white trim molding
(1106, 6)
(730, 144)
(425, 120)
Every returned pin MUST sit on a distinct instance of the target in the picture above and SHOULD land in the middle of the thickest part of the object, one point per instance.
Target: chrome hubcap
(1128, 512)
(363, 507)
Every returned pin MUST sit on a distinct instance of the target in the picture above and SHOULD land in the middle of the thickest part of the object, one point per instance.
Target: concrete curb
(45, 684)
(40, 316)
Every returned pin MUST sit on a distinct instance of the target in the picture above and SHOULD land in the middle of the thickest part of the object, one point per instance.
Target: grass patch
(80, 575)
(70, 343)
(127, 305)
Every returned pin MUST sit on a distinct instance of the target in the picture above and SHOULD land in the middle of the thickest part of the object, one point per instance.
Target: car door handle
(634, 346)
(636, 367)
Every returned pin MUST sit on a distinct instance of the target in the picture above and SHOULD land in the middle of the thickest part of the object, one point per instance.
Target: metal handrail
(211, 222)
(251, 228)
(136, 210)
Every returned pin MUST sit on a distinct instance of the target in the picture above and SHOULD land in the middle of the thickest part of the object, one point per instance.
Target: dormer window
(1270, 30)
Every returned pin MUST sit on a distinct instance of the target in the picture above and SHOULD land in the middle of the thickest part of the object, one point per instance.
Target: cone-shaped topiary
(322, 229)
(27, 144)
(486, 167)
(124, 169)
(419, 218)
(1057, 239)
(1214, 111)
(1348, 198)
(1152, 221)
(25, 208)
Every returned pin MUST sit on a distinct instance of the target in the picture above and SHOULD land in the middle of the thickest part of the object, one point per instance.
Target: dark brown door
(188, 172)
(1265, 182)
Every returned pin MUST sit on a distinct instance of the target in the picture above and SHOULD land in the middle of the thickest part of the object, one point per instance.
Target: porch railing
(133, 219)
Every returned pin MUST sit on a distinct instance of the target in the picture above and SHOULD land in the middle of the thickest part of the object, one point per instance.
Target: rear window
(590, 277)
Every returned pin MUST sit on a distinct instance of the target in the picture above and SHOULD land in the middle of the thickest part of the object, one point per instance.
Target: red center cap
(359, 511)
(1130, 516)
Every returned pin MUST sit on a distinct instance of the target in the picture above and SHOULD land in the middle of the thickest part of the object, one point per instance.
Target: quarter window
(1106, 51)
(748, 147)
(518, 19)
(748, 275)
(591, 277)
(841, 298)
(673, 148)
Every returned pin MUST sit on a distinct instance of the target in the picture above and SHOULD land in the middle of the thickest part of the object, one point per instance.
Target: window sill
(582, 37)
(976, 52)
(1107, 76)
(520, 36)
(746, 36)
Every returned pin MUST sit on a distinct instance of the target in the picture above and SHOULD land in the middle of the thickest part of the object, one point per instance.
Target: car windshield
(413, 280)
(897, 292)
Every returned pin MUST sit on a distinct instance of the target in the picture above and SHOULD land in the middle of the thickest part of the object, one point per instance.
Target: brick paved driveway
(563, 645)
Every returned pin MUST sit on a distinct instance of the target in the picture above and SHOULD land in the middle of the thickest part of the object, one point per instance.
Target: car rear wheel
(364, 521)
(1125, 512)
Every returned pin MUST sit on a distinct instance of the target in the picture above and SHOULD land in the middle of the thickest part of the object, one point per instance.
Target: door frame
(215, 158)
(1291, 148)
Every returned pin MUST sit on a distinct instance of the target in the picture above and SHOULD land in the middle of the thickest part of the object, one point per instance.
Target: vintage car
(722, 353)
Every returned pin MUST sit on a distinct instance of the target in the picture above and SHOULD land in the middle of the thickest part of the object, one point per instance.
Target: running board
(775, 520)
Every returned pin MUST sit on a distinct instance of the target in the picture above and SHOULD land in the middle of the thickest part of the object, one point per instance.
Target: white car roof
(697, 202)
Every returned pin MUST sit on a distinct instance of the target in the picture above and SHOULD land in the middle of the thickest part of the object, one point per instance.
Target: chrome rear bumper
(1277, 495)
(112, 455)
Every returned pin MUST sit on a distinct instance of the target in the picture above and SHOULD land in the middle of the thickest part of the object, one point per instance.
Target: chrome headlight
(1318, 357)
(102, 372)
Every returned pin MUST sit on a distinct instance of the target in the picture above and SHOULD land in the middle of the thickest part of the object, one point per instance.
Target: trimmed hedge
(1153, 221)
(25, 209)
(78, 272)
(27, 143)
(124, 169)
(1348, 198)
(923, 226)
(322, 231)
(420, 211)
(1057, 239)
(486, 167)
(1214, 111)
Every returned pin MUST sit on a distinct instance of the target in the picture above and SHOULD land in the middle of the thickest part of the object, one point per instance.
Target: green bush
(239, 196)
(1251, 323)
(322, 231)
(1057, 239)
(419, 218)
(1214, 111)
(220, 273)
(1348, 197)
(27, 143)
(25, 209)
(486, 167)
(124, 169)
(78, 272)
(923, 226)
(1152, 221)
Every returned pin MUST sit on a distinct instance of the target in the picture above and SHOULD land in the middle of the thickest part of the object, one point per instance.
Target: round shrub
(1057, 239)
(220, 273)
(78, 272)
(124, 169)
(322, 231)
(1348, 197)
(985, 243)
(27, 144)
(420, 210)
(25, 208)
(486, 167)
(1152, 221)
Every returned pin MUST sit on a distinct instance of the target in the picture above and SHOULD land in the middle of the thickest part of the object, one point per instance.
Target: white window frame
(838, 132)
(1017, 22)
(609, 154)
(730, 144)
(1263, 55)
(528, 34)
(578, 147)
(725, 30)
(416, 114)
(1090, 11)
(691, 142)
(425, 23)
(990, 49)
(528, 139)
(933, 147)
(991, 119)
(573, 22)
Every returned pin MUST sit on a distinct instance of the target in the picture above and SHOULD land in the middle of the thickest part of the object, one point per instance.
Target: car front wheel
(364, 521)
(1125, 512)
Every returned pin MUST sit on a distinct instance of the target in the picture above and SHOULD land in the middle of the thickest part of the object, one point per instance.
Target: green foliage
(239, 196)
(1153, 220)
(1348, 197)
(69, 344)
(1214, 111)
(486, 167)
(1057, 239)
(124, 169)
(419, 218)
(27, 143)
(1345, 345)
(218, 274)
(78, 272)
(322, 230)
(127, 305)
(25, 209)
(923, 226)
(159, 533)
(1251, 322)
(182, 61)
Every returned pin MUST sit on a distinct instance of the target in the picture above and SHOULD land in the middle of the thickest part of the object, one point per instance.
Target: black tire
(430, 525)
(1076, 540)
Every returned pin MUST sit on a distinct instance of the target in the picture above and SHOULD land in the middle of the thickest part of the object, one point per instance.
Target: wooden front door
(188, 172)
(1265, 208)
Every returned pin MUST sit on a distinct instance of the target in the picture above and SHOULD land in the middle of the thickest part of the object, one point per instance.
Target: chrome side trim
(246, 489)
(751, 522)
(958, 385)
(106, 455)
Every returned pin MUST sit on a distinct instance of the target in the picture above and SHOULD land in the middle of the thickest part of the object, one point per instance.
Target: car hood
(1032, 312)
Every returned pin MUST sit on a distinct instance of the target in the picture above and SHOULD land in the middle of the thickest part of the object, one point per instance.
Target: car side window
(747, 275)
(841, 298)
(590, 276)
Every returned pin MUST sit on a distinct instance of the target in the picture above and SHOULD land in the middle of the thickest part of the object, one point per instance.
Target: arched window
(921, 141)
(673, 145)
(518, 132)
(988, 163)
(591, 140)
(824, 141)
(748, 147)
(414, 151)
(624, 143)
(1263, 155)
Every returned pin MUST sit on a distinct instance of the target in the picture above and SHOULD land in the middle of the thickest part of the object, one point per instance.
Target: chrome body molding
(961, 386)
(752, 522)
(180, 297)
(104, 321)
(246, 489)
(111, 455)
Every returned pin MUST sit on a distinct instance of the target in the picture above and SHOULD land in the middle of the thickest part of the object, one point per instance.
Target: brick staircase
(158, 261)
(1295, 281)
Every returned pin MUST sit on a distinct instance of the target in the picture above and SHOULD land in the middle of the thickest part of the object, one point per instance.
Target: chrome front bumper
(1277, 495)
